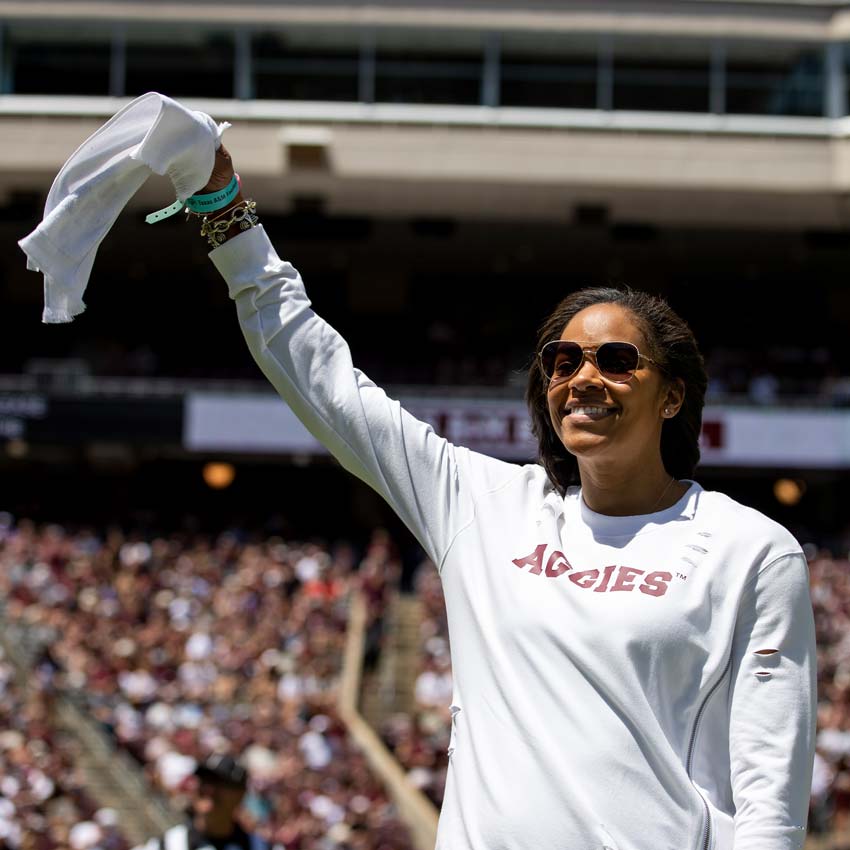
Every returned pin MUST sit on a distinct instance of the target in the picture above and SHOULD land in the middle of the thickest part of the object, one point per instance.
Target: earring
(666, 411)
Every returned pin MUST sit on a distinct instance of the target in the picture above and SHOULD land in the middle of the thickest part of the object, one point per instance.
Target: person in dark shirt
(220, 786)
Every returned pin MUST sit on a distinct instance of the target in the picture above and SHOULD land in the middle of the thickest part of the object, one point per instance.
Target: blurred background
(183, 570)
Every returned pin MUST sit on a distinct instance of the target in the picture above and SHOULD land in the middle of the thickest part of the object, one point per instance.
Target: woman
(633, 656)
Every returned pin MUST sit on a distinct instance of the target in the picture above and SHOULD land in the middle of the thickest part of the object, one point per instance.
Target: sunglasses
(616, 361)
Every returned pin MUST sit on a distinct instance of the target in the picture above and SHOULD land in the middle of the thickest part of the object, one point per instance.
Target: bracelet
(243, 214)
(199, 204)
(211, 218)
(214, 200)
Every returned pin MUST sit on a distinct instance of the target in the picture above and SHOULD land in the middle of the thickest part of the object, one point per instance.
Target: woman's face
(629, 426)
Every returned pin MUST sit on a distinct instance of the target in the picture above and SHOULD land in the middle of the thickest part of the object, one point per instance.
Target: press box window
(182, 62)
(414, 66)
(306, 64)
(768, 78)
(544, 70)
(662, 76)
(61, 59)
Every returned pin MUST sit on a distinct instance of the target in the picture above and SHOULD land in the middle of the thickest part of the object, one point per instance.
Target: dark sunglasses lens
(561, 359)
(618, 360)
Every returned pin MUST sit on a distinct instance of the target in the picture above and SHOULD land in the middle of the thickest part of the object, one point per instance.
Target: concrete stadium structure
(702, 112)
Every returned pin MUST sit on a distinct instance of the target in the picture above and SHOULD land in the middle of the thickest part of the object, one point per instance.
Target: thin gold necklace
(669, 484)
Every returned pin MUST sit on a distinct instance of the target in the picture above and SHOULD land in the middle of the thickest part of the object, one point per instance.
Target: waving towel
(153, 133)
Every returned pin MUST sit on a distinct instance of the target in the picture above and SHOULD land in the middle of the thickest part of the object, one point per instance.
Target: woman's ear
(674, 398)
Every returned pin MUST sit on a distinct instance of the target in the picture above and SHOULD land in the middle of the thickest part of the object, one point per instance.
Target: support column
(243, 70)
(605, 74)
(717, 79)
(491, 70)
(118, 61)
(366, 70)
(835, 79)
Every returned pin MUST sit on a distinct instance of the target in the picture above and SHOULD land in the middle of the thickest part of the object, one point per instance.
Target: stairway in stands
(390, 687)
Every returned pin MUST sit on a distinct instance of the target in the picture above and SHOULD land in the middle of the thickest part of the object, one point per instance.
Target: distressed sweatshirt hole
(764, 675)
(765, 652)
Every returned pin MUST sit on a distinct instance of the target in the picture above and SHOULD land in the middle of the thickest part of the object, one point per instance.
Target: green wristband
(200, 204)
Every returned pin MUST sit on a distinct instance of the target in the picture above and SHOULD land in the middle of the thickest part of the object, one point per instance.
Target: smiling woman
(592, 355)
(606, 613)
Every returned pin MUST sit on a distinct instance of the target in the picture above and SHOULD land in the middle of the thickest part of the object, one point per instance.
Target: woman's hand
(227, 222)
(222, 172)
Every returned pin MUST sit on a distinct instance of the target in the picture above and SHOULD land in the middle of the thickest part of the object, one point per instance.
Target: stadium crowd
(420, 740)
(830, 589)
(760, 378)
(183, 648)
(44, 804)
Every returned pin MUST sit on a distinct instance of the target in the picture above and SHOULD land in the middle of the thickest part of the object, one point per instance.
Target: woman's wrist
(238, 215)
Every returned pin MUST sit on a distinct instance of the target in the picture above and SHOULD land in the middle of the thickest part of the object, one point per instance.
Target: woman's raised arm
(428, 481)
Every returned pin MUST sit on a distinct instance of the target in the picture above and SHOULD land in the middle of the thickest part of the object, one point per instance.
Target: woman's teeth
(591, 411)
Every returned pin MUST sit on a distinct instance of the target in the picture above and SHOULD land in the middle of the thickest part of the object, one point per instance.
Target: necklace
(669, 484)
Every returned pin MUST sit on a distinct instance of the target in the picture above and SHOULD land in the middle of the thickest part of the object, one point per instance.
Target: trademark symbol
(679, 575)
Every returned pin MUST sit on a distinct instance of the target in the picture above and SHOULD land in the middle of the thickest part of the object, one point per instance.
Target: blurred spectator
(835, 387)
(218, 788)
(764, 388)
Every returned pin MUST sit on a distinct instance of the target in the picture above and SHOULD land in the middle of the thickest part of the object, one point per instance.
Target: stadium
(186, 570)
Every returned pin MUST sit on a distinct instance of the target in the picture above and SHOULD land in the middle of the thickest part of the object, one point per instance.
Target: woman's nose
(588, 374)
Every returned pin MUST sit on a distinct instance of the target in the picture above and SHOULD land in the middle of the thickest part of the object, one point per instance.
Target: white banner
(775, 437)
(731, 436)
(244, 423)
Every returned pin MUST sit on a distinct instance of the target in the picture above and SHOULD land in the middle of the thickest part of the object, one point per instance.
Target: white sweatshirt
(616, 684)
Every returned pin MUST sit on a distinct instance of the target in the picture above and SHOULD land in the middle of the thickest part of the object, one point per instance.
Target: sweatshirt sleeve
(309, 364)
(773, 708)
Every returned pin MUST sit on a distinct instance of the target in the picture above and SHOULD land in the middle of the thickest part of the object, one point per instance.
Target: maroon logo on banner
(609, 579)
(713, 435)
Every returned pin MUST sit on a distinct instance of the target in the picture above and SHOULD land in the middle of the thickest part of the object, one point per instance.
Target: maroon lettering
(585, 578)
(655, 584)
(624, 577)
(606, 577)
(557, 564)
(534, 560)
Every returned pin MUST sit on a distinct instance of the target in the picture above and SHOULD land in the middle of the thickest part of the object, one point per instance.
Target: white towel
(153, 133)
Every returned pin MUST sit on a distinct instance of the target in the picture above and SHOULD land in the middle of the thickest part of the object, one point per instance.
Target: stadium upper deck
(696, 149)
(469, 109)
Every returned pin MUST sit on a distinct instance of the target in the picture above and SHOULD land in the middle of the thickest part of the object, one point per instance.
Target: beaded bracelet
(243, 214)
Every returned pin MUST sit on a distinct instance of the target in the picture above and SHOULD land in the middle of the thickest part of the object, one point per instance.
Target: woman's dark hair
(670, 343)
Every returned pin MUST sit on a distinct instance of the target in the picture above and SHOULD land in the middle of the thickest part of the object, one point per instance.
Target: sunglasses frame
(591, 354)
